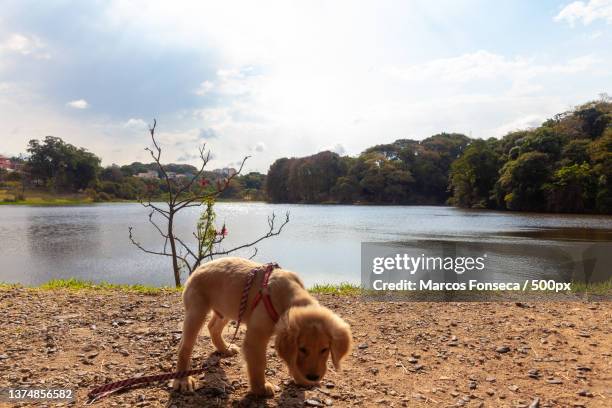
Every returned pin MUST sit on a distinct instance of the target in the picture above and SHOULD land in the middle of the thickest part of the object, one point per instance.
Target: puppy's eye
(303, 350)
(324, 350)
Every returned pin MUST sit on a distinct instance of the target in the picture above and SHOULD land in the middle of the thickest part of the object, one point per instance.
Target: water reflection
(66, 234)
(565, 234)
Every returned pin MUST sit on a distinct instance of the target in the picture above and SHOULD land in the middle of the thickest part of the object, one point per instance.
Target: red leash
(106, 389)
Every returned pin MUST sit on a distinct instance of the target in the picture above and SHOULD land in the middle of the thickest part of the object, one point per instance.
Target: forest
(564, 165)
(57, 167)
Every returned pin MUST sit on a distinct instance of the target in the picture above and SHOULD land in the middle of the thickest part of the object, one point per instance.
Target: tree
(112, 173)
(571, 189)
(253, 180)
(600, 154)
(179, 196)
(277, 181)
(473, 176)
(594, 119)
(576, 151)
(306, 179)
(521, 182)
(61, 165)
(346, 189)
(543, 140)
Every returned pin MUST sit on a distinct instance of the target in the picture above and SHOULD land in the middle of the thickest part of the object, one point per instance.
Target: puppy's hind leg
(215, 327)
(194, 319)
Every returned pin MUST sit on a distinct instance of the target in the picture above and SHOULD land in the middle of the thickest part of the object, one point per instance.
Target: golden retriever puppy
(306, 333)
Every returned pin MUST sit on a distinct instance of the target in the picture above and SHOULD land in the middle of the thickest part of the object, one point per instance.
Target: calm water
(322, 243)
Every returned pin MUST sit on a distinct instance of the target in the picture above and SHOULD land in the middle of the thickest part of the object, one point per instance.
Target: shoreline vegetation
(341, 289)
(46, 198)
(562, 166)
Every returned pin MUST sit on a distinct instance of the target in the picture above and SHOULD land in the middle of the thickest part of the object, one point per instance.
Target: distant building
(226, 171)
(174, 175)
(151, 174)
(5, 163)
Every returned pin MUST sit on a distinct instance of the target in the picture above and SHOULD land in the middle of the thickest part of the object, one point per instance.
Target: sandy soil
(406, 354)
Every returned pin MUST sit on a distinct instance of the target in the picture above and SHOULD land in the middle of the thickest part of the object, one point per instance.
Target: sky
(273, 79)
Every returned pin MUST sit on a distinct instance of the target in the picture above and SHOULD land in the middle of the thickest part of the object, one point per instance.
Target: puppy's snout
(312, 377)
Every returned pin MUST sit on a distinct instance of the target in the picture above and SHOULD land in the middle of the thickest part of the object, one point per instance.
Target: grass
(599, 288)
(40, 197)
(78, 285)
(343, 289)
(6, 286)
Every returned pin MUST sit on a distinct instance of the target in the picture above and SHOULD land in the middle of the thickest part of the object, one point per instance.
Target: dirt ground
(405, 354)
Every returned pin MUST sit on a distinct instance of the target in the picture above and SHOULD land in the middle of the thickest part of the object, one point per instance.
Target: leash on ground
(109, 388)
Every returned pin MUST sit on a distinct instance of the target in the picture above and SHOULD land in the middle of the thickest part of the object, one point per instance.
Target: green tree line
(56, 166)
(564, 165)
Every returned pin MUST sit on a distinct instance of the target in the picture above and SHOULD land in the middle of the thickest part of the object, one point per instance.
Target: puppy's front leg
(254, 348)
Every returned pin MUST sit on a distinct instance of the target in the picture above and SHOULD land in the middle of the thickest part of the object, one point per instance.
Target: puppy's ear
(286, 339)
(342, 340)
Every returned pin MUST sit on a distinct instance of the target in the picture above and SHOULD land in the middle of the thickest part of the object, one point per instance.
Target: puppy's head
(306, 337)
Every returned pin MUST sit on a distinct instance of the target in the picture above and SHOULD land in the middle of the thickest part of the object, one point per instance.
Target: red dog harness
(262, 295)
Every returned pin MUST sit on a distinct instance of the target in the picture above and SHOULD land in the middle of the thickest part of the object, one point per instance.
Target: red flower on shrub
(223, 232)
(203, 182)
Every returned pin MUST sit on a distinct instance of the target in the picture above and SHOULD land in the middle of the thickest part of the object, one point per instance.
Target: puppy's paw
(267, 391)
(186, 384)
(232, 350)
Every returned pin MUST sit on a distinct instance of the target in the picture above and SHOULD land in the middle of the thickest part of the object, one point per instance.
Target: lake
(321, 242)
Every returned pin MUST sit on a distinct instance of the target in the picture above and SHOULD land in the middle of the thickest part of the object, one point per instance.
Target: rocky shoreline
(554, 354)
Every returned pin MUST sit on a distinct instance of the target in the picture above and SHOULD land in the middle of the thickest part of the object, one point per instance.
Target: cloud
(259, 147)
(595, 35)
(135, 124)
(239, 81)
(213, 116)
(208, 133)
(27, 45)
(204, 88)
(187, 157)
(78, 104)
(485, 65)
(337, 148)
(586, 12)
(521, 123)
(235, 164)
